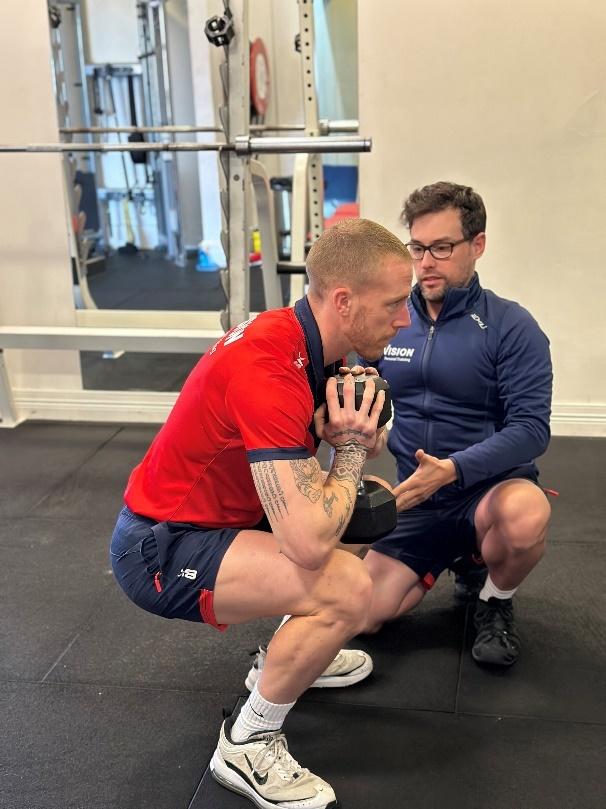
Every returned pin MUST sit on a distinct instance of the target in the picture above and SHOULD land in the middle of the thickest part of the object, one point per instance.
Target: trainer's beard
(435, 295)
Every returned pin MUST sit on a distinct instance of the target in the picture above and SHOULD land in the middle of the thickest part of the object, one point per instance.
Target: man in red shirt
(240, 444)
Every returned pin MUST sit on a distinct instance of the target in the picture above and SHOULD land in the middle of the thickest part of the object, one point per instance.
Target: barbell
(242, 145)
(325, 127)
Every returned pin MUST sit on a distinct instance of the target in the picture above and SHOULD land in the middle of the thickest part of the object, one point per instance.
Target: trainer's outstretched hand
(430, 475)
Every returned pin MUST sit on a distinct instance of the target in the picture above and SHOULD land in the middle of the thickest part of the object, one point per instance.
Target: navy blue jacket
(474, 386)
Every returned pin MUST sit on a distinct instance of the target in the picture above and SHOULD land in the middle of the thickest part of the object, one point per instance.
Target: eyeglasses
(439, 250)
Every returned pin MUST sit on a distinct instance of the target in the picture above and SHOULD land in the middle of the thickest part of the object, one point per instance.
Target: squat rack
(239, 170)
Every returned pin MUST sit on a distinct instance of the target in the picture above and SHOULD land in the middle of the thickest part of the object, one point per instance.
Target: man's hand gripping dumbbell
(374, 513)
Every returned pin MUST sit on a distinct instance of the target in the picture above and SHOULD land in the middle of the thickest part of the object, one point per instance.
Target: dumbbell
(374, 514)
(359, 386)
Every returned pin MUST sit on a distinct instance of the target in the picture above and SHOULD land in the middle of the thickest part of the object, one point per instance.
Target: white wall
(509, 98)
(35, 269)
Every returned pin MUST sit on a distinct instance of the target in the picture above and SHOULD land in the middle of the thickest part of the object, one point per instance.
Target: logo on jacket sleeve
(397, 353)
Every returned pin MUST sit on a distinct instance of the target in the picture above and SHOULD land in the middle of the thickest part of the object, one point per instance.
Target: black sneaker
(467, 585)
(497, 643)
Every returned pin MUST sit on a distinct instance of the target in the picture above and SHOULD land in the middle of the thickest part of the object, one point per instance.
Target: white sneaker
(349, 667)
(263, 770)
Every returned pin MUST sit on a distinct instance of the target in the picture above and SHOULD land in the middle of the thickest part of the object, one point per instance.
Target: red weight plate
(260, 83)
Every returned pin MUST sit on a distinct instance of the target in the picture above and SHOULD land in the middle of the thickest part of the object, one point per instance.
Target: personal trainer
(471, 383)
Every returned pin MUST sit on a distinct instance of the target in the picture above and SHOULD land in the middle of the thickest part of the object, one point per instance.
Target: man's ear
(479, 245)
(342, 298)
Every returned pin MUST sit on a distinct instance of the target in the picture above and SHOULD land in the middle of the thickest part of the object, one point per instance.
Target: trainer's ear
(478, 244)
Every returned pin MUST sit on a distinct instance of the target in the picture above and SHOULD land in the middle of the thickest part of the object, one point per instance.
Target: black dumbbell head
(374, 515)
(360, 383)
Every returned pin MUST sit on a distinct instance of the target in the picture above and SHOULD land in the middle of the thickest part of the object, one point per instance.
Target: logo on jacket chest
(398, 353)
(478, 321)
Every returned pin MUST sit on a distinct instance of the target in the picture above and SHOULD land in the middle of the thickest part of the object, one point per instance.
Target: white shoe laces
(276, 753)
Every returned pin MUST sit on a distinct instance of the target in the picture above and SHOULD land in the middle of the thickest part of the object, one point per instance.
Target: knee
(390, 603)
(523, 526)
(349, 592)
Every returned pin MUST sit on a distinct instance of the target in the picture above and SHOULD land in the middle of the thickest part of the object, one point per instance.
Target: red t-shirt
(248, 399)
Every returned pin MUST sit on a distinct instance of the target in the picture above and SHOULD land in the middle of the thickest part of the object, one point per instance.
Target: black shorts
(168, 568)
(432, 538)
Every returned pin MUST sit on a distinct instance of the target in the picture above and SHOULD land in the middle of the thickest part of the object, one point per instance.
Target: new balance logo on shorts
(187, 573)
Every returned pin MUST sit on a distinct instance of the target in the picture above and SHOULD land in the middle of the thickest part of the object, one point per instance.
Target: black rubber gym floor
(103, 706)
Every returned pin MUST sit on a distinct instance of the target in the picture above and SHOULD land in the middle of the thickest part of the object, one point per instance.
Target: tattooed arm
(307, 511)
(308, 514)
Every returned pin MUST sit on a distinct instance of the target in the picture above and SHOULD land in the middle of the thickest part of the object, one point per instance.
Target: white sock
(490, 590)
(257, 715)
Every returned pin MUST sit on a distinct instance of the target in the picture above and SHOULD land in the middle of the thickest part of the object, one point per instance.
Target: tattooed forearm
(308, 478)
(328, 503)
(347, 468)
(348, 497)
(348, 462)
(344, 518)
(269, 490)
(334, 435)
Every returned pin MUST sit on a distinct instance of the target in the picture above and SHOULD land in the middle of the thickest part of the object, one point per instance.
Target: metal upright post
(264, 199)
(312, 126)
(9, 416)
(94, 163)
(79, 246)
(308, 183)
(235, 118)
(175, 217)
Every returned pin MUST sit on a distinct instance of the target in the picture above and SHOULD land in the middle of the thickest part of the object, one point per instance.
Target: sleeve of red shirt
(272, 407)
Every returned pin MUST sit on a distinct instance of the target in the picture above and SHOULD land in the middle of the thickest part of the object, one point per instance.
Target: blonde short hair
(347, 254)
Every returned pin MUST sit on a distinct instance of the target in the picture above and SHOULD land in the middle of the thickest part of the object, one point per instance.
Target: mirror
(147, 225)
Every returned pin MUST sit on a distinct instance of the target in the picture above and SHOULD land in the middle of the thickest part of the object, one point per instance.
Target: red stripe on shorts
(207, 610)
(428, 581)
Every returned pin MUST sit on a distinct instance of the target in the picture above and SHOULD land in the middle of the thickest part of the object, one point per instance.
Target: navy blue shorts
(169, 568)
(430, 539)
